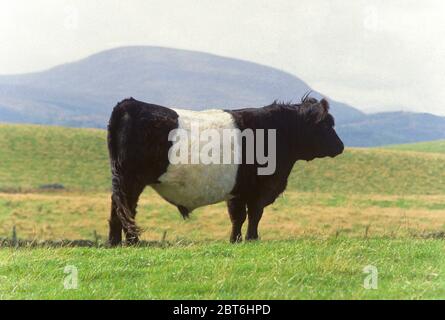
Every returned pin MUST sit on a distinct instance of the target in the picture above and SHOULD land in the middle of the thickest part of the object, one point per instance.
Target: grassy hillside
(429, 147)
(33, 156)
(390, 192)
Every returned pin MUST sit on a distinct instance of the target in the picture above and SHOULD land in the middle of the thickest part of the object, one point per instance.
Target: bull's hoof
(132, 241)
(114, 243)
(236, 238)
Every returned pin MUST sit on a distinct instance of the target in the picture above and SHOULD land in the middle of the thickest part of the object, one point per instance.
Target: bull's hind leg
(131, 236)
(255, 212)
(115, 234)
(237, 212)
(125, 196)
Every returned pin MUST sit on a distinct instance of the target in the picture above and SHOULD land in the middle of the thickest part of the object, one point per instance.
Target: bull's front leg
(255, 212)
(237, 212)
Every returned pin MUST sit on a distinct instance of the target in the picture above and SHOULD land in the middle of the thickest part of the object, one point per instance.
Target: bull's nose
(342, 148)
(338, 150)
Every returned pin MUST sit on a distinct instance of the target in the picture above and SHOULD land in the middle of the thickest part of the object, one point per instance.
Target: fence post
(96, 238)
(164, 236)
(14, 237)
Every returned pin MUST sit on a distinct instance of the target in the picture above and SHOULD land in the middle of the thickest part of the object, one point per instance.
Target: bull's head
(316, 135)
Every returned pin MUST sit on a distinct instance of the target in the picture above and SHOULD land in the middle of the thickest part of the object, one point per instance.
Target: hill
(82, 93)
(392, 128)
(35, 156)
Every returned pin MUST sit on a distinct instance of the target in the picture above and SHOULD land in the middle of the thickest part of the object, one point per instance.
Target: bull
(140, 147)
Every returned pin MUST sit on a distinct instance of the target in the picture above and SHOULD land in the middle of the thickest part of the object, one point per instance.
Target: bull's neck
(287, 120)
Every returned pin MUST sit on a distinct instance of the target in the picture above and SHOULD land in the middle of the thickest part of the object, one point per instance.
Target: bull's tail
(118, 129)
(120, 200)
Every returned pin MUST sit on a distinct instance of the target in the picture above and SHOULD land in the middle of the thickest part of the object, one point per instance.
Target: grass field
(298, 269)
(382, 207)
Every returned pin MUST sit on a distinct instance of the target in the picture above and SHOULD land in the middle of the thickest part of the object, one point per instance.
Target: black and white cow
(139, 144)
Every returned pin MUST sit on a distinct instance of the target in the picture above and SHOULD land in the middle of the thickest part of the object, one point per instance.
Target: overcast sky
(374, 55)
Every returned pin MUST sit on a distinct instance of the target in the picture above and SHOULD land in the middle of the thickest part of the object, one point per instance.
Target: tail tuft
(184, 211)
(122, 208)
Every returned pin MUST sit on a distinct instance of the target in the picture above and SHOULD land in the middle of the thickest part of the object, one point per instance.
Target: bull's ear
(325, 105)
